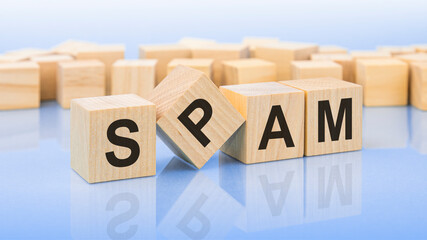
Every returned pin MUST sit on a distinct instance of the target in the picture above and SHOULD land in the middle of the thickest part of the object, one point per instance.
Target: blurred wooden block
(164, 54)
(191, 42)
(384, 81)
(220, 53)
(133, 76)
(415, 57)
(79, 79)
(421, 48)
(345, 60)
(333, 115)
(27, 53)
(19, 85)
(366, 55)
(253, 42)
(418, 90)
(107, 54)
(72, 47)
(274, 127)
(113, 137)
(396, 50)
(248, 71)
(194, 119)
(331, 49)
(48, 65)
(201, 64)
(283, 54)
(316, 69)
(11, 58)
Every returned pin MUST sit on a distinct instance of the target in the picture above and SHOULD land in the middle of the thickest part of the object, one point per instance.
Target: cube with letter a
(333, 115)
(113, 137)
(274, 127)
(193, 118)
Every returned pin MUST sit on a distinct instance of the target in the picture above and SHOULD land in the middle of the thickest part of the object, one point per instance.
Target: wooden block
(410, 58)
(113, 137)
(191, 42)
(345, 60)
(396, 50)
(251, 70)
(48, 65)
(133, 76)
(79, 79)
(201, 64)
(331, 49)
(27, 53)
(19, 85)
(274, 127)
(384, 81)
(421, 48)
(107, 54)
(164, 54)
(220, 53)
(72, 47)
(283, 53)
(366, 55)
(316, 69)
(333, 115)
(11, 58)
(194, 119)
(418, 90)
(253, 42)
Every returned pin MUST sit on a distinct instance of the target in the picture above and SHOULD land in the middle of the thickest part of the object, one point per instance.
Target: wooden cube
(113, 137)
(194, 119)
(164, 54)
(331, 49)
(133, 76)
(201, 64)
(72, 47)
(333, 115)
(418, 90)
(48, 65)
(283, 54)
(79, 79)
(345, 60)
(11, 58)
(316, 69)
(19, 85)
(384, 81)
(27, 53)
(220, 53)
(274, 127)
(366, 55)
(396, 50)
(415, 57)
(107, 54)
(421, 48)
(251, 70)
(253, 42)
(191, 42)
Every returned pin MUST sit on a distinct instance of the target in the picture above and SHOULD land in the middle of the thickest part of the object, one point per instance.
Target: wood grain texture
(19, 85)
(332, 90)
(250, 70)
(253, 42)
(418, 90)
(332, 49)
(366, 55)
(254, 102)
(384, 81)
(173, 95)
(133, 76)
(48, 65)
(283, 54)
(345, 60)
(396, 50)
(90, 120)
(316, 69)
(202, 64)
(79, 79)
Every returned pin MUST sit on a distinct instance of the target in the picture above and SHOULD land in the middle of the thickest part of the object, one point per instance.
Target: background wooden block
(333, 115)
(194, 119)
(331, 49)
(366, 55)
(396, 50)
(421, 48)
(201, 64)
(316, 69)
(270, 109)
(79, 79)
(164, 54)
(253, 42)
(191, 42)
(220, 53)
(283, 53)
(133, 76)
(418, 91)
(19, 85)
(345, 60)
(415, 57)
(248, 71)
(72, 47)
(48, 65)
(27, 53)
(384, 81)
(113, 137)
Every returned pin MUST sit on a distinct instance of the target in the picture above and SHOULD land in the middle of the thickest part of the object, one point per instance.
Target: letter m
(335, 128)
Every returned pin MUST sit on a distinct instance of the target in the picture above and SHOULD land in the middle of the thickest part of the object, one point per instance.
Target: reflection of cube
(384, 81)
(78, 79)
(274, 126)
(345, 60)
(316, 69)
(418, 91)
(20, 129)
(250, 70)
(253, 42)
(201, 64)
(331, 49)
(113, 137)
(19, 85)
(419, 130)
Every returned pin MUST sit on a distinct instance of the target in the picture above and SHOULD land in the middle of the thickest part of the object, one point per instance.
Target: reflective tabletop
(379, 192)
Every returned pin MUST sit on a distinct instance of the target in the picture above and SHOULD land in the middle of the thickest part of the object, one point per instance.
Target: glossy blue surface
(379, 192)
